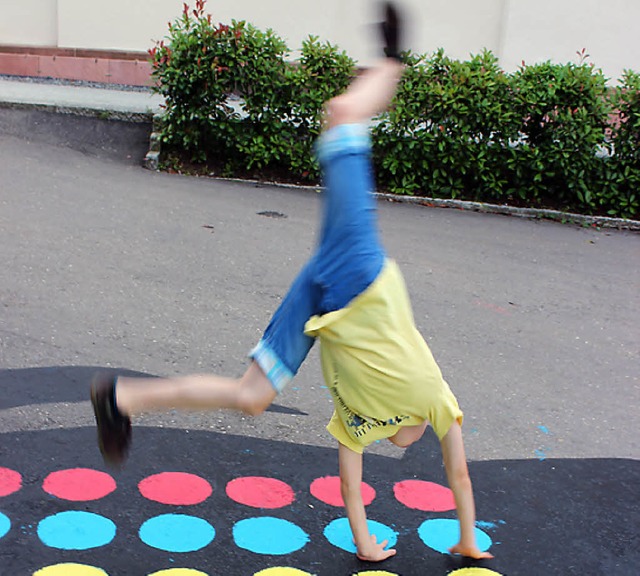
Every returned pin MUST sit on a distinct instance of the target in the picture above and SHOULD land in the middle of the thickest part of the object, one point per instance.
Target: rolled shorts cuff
(274, 368)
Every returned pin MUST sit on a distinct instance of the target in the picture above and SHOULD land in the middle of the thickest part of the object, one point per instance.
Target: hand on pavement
(375, 552)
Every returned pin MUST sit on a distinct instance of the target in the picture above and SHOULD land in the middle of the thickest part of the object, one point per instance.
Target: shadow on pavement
(557, 516)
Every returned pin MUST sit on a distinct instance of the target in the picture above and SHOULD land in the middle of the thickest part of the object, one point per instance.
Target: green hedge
(232, 99)
(549, 135)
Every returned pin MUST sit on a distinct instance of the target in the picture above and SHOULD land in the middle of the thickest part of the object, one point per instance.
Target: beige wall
(462, 26)
(516, 30)
(555, 29)
(31, 22)
(130, 25)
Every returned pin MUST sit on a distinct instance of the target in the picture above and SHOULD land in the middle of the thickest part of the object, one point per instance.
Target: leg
(252, 393)
(275, 360)
(350, 255)
(369, 95)
(372, 92)
(113, 404)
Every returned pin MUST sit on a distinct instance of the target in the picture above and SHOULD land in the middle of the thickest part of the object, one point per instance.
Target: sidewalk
(124, 104)
(100, 120)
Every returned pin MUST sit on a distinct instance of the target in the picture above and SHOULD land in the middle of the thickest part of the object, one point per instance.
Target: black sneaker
(114, 429)
(391, 29)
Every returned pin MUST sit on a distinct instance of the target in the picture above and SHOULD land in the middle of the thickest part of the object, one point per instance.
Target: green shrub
(620, 195)
(448, 132)
(564, 113)
(548, 135)
(201, 68)
(233, 100)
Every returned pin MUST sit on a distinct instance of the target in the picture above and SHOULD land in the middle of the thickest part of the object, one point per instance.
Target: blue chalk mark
(540, 455)
(486, 525)
(441, 534)
(269, 535)
(73, 530)
(5, 524)
(544, 429)
(177, 533)
(339, 534)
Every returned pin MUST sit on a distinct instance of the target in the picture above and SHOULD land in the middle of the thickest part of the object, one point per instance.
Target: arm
(455, 464)
(350, 481)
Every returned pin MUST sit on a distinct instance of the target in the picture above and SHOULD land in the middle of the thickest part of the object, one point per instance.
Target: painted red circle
(327, 489)
(10, 481)
(177, 488)
(260, 492)
(79, 484)
(425, 496)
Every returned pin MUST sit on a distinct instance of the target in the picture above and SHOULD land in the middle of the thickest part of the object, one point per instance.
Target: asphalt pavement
(535, 324)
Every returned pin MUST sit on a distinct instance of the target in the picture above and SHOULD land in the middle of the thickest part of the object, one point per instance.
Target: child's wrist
(363, 547)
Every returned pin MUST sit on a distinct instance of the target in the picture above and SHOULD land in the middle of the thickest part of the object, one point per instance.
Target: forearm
(465, 507)
(455, 464)
(357, 516)
(368, 548)
(350, 488)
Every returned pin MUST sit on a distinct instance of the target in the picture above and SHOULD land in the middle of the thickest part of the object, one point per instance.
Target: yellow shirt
(378, 368)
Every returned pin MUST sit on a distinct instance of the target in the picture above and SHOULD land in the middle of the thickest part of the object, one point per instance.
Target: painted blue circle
(268, 535)
(443, 533)
(5, 524)
(177, 533)
(338, 532)
(73, 530)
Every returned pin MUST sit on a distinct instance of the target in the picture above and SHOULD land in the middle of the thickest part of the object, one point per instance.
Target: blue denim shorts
(348, 258)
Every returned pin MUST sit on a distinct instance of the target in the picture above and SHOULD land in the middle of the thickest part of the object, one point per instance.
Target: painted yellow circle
(70, 569)
(282, 571)
(179, 572)
(474, 572)
(375, 573)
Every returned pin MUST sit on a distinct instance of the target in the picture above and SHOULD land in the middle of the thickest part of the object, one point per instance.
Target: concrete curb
(530, 213)
(152, 158)
(134, 117)
(152, 162)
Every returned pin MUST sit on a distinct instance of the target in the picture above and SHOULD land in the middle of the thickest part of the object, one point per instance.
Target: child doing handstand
(382, 377)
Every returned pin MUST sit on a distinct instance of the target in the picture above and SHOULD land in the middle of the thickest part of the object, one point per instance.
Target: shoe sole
(117, 463)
